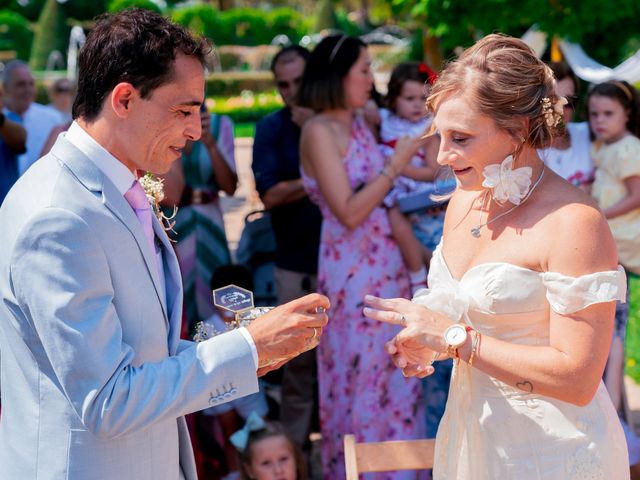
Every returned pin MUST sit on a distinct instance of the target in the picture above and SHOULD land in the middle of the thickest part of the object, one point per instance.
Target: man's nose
(194, 128)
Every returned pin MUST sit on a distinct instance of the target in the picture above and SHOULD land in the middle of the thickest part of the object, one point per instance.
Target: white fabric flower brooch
(506, 183)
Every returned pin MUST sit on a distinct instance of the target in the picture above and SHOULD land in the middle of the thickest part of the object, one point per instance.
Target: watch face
(455, 335)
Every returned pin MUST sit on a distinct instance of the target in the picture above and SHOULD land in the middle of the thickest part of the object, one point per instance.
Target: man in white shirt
(98, 380)
(37, 119)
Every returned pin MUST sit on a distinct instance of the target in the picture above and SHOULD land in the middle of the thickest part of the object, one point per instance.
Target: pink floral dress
(360, 390)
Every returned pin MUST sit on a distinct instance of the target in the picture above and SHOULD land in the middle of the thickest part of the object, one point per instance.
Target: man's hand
(288, 330)
(206, 138)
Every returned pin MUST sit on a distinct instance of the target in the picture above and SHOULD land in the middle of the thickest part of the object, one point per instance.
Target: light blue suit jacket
(95, 379)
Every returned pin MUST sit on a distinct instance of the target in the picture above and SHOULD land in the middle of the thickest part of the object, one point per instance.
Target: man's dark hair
(322, 82)
(136, 46)
(289, 52)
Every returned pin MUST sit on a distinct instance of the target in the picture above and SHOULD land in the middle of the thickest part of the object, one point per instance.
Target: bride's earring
(507, 183)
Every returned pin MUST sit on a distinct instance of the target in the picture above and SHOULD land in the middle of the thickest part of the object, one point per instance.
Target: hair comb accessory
(431, 75)
(553, 111)
(254, 423)
(336, 48)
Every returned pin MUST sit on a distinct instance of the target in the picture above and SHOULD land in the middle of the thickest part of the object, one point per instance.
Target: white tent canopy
(582, 64)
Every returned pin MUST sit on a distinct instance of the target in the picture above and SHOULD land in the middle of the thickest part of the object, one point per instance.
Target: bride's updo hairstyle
(507, 82)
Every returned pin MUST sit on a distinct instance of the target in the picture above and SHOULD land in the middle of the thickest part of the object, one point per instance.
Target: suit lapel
(93, 179)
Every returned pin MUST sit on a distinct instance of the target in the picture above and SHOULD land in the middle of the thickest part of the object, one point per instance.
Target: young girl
(613, 109)
(265, 452)
(406, 116)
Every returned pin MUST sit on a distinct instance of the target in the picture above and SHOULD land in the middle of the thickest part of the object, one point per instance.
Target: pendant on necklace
(475, 231)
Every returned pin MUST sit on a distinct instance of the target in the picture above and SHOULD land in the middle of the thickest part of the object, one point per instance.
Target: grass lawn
(633, 331)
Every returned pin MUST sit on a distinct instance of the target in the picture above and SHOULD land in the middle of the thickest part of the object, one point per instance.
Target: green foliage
(345, 25)
(119, 5)
(51, 33)
(15, 34)
(241, 26)
(247, 107)
(84, 9)
(633, 330)
(287, 21)
(603, 28)
(326, 16)
(229, 84)
(30, 10)
(201, 19)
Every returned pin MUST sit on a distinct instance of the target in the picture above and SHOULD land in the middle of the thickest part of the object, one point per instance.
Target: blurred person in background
(296, 224)
(13, 139)
(570, 154)
(346, 176)
(61, 95)
(207, 167)
(37, 119)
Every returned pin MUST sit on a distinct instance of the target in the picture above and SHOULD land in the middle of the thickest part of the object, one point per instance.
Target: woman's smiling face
(469, 141)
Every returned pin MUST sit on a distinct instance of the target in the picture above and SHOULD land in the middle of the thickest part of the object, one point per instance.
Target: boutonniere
(154, 189)
(507, 183)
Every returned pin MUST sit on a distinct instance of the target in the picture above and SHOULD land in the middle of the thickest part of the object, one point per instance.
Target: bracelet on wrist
(385, 173)
(474, 347)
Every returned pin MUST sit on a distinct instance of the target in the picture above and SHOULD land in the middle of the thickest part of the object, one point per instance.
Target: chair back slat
(387, 456)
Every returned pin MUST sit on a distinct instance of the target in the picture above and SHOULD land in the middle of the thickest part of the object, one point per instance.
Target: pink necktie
(142, 208)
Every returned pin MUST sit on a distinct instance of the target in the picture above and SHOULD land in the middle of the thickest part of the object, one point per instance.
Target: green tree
(199, 18)
(51, 34)
(15, 34)
(84, 9)
(30, 9)
(605, 29)
(326, 15)
(119, 5)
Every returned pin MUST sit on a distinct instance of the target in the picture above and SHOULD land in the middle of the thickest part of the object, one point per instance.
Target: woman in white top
(570, 153)
(522, 288)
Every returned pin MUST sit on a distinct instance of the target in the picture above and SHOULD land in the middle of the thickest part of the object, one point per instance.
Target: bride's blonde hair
(508, 83)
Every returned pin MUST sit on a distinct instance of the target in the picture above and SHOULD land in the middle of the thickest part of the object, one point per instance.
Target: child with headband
(265, 452)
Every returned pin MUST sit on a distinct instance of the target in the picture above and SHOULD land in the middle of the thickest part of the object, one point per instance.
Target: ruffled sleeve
(568, 295)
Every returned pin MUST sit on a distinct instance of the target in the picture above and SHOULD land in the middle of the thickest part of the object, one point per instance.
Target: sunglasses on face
(282, 84)
(572, 101)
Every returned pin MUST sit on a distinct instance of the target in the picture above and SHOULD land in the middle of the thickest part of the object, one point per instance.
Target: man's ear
(122, 98)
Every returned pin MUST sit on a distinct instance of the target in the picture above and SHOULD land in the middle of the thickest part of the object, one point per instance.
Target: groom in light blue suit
(95, 379)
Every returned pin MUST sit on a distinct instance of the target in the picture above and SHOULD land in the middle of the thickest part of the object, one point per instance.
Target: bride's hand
(414, 348)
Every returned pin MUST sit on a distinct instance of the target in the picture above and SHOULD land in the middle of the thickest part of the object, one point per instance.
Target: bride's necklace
(475, 231)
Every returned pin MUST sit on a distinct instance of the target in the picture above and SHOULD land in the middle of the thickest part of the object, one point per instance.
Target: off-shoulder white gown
(491, 430)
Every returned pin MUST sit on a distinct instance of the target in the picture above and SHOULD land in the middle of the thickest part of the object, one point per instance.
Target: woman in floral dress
(345, 174)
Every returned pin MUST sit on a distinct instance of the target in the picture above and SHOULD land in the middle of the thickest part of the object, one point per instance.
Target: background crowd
(348, 178)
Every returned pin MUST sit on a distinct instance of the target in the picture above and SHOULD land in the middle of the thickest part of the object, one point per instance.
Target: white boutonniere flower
(154, 189)
(507, 183)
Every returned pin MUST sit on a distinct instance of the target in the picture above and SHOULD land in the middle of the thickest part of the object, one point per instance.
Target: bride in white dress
(522, 288)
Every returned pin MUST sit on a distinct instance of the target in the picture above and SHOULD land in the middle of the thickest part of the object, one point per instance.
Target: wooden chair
(386, 456)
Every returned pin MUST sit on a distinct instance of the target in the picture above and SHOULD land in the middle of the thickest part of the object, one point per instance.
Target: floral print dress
(360, 390)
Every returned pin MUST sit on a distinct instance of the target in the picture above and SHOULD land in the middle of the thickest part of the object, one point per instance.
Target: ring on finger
(315, 334)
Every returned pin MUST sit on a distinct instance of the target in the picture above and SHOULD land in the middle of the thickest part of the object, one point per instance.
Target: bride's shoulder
(578, 232)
